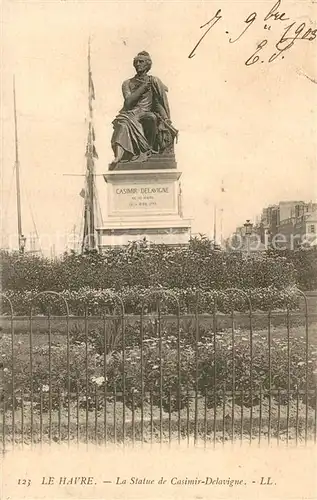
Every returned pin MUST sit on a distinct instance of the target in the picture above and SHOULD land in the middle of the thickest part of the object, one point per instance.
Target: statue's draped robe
(128, 130)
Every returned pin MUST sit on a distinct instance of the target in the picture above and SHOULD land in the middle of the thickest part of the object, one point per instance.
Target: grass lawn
(40, 331)
(224, 322)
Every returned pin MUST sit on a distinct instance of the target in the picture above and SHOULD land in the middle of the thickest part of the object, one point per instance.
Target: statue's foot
(113, 164)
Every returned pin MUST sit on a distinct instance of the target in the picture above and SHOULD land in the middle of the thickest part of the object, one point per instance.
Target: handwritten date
(292, 33)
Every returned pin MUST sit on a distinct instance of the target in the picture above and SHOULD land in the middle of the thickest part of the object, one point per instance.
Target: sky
(251, 127)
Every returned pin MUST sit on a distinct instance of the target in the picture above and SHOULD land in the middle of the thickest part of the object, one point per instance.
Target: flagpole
(89, 223)
(215, 225)
(90, 158)
(21, 238)
(221, 213)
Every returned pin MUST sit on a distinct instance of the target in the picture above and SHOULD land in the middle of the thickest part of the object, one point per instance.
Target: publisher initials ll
(266, 481)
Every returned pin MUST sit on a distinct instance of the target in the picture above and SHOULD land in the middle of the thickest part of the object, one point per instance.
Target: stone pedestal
(144, 203)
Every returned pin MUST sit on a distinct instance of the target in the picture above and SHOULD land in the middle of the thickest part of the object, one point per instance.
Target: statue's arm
(160, 98)
(131, 98)
(159, 82)
(161, 111)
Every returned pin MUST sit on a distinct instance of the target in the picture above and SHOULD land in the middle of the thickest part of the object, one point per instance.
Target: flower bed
(172, 367)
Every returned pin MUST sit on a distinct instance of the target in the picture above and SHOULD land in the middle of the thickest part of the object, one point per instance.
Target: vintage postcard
(158, 322)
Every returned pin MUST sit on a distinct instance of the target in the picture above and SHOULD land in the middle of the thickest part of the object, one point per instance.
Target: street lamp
(22, 241)
(267, 239)
(248, 231)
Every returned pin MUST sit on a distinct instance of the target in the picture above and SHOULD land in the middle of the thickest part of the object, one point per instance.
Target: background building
(286, 225)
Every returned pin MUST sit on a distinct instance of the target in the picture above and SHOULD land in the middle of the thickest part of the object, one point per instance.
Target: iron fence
(155, 377)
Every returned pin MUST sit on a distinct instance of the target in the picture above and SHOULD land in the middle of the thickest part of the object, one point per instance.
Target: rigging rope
(97, 204)
(24, 190)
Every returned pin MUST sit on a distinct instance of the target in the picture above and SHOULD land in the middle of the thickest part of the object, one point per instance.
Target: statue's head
(142, 62)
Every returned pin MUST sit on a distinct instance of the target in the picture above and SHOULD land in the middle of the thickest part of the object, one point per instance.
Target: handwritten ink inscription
(292, 32)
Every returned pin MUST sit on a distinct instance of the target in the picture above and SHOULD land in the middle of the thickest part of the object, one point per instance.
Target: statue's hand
(147, 85)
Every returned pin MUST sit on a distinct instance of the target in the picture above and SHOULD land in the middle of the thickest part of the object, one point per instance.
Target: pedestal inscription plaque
(148, 198)
(142, 193)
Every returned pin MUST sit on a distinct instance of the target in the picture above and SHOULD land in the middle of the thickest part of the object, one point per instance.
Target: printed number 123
(24, 482)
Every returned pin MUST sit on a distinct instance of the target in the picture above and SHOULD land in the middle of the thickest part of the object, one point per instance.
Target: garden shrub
(304, 261)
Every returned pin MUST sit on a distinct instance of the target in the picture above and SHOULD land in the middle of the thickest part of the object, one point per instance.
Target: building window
(312, 228)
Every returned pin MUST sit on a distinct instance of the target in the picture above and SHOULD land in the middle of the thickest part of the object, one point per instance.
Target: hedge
(99, 301)
(144, 265)
(305, 264)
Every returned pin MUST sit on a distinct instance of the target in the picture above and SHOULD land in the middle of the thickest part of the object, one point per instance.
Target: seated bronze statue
(143, 126)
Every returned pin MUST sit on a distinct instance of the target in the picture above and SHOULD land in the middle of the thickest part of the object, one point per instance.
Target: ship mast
(215, 225)
(21, 237)
(89, 240)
